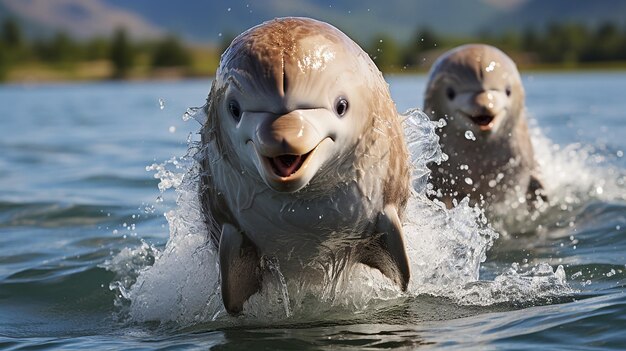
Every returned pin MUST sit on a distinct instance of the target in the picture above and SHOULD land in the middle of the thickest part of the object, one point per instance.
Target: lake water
(85, 260)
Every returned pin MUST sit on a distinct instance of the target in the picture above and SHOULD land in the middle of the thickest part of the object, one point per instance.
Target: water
(87, 207)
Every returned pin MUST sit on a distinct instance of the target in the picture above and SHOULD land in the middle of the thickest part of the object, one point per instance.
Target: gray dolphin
(478, 91)
(304, 162)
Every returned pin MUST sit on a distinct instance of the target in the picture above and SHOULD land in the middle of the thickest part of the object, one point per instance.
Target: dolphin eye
(450, 93)
(341, 107)
(235, 110)
(508, 91)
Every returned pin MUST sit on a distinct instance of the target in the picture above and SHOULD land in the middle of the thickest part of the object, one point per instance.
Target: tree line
(566, 44)
(61, 51)
(558, 43)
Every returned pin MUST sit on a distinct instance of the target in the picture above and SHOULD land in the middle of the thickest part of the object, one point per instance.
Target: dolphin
(478, 91)
(304, 161)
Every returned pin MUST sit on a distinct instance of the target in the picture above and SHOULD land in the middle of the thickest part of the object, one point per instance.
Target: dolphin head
(291, 97)
(477, 88)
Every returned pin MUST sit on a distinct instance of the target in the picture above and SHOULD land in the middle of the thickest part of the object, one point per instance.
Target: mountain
(212, 21)
(362, 19)
(79, 18)
(539, 13)
(203, 21)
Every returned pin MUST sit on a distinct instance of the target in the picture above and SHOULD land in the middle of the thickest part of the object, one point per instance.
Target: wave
(446, 249)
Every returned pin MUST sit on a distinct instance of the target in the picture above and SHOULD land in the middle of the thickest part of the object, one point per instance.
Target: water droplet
(469, 181)
(228, 9)
(469, 135)
(491, 67)
(172, 129)
(161, 103)
(190, 113)
(492, 183)
(620, 153)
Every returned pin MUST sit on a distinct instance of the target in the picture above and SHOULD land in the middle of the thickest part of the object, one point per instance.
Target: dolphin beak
(287, 148)
(291, 134)
(485, 109)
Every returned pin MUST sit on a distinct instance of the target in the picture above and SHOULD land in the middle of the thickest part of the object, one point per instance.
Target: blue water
(75, 193)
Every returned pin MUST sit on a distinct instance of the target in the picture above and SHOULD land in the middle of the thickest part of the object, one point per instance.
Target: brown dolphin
(478, 91)
(304, 159)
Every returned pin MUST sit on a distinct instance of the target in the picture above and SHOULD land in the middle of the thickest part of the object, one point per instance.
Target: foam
(446, 247)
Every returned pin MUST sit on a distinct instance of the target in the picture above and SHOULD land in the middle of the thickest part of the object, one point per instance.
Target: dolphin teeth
(286, 165)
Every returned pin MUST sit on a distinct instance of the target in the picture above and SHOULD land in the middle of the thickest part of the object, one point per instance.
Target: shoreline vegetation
(60, 58)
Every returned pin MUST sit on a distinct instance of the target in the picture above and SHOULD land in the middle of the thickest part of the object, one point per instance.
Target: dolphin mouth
(289, 172)
(484, 122)
(286, 165)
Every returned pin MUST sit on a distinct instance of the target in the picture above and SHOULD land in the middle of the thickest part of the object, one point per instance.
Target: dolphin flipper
(535, 190)
(239, 267)
(387, 253)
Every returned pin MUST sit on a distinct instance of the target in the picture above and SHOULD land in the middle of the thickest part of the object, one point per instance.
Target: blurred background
(61, 40)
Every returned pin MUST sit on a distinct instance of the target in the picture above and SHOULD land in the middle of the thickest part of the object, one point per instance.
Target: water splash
(572, 176)
(197, 113)
(423, 144)
(446, 250)
(469, 135)
(576, 173)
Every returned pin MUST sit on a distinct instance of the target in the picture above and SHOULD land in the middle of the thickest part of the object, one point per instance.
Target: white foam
(446, 249)
(575, 173)
(572, 176)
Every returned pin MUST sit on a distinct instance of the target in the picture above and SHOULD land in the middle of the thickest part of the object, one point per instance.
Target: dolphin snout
(486, 103)
(289, 134)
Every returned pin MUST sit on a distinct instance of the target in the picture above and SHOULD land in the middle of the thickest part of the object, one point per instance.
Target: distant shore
(61, 58)
(102, 71)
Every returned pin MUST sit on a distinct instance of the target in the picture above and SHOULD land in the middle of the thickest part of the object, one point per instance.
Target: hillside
(211, 21)
(539, 13)
(362, 19)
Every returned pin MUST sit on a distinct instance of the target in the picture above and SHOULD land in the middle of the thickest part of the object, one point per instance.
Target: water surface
(81, 216)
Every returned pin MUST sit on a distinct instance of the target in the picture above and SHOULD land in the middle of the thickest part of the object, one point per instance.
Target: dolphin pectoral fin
(239, 268)
(387, 253)
(535, 190)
